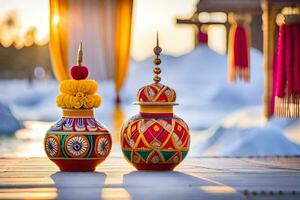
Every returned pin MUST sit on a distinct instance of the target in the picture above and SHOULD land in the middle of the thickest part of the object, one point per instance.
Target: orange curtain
(122, 42)
(59, 38)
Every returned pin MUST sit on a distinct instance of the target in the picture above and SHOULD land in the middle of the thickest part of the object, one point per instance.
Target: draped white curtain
(93, 23)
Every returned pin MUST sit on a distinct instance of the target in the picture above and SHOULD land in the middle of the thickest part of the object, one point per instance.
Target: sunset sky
(149, 17)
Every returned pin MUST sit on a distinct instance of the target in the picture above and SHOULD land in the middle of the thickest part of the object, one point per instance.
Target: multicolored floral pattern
(77, 138)
(102, 146)
(78, 125)
(52, 146)
(77, 146)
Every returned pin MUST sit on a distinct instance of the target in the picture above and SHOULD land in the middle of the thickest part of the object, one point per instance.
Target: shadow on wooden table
(175, 185)
(78, 185)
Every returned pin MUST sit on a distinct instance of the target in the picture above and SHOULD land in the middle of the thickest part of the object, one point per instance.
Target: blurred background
(39, 38)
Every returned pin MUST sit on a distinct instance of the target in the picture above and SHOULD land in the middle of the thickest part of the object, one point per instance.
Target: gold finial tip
(157, 50)
(79, 54)
(80, 46)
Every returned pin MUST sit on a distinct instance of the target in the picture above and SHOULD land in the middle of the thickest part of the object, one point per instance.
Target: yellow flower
(97, 102)
(89, 103)
(71, 87)
(78, 94)
(59, 101)
(77, 103)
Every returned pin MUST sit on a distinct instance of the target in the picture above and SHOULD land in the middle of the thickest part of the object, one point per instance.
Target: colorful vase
(77, 141)
(155, 139)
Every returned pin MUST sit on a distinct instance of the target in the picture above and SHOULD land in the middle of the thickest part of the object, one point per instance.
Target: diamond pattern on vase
(155, 136)
(167, 154)
(127, 154)
(184, 153)
(144, 154)
(156, 93)
(155, 158)
(156, 142)
(169, 144)
(175, 158)
(179, 135)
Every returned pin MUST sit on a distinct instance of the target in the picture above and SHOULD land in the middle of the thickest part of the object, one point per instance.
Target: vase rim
(156, 109)
(155, 103)
(82, 113)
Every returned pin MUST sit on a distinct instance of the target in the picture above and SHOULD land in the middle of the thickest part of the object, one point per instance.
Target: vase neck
(156, 111)
(78, 113)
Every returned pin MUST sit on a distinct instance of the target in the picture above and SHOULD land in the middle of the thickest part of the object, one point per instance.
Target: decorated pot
(77, 141)
(155, 139)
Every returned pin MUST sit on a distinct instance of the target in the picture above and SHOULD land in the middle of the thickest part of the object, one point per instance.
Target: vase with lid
(155, 139)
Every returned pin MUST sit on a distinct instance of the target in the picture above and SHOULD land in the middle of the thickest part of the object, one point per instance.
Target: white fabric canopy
(93, 24)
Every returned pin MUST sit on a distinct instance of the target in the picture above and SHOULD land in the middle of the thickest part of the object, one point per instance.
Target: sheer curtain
(104, 27)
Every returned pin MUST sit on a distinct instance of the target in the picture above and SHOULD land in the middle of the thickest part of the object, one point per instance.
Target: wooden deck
(195, 178)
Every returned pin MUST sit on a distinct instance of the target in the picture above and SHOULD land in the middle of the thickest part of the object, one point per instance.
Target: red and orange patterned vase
(155, 139)
(77, 141)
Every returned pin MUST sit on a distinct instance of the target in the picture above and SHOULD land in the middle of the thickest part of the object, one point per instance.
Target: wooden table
(196, 178)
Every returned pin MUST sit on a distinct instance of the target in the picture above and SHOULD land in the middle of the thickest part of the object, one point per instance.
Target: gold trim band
(82, 113)
(76, 133)
(156, 109)
(63, 158)
(155, 103)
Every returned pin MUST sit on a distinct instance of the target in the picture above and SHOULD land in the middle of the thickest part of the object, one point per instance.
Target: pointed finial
(79, 55)
(157, 50)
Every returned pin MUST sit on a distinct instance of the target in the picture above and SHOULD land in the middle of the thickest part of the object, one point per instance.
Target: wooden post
(198, 24)
(268, 18)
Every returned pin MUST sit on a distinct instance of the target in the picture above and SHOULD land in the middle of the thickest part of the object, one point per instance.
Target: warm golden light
(212, 17)
(55, 19)
(218, 189)
(204, 17)
(217, 38)
(115, 193)
(156, 15)
(24, 24)
(175, 39)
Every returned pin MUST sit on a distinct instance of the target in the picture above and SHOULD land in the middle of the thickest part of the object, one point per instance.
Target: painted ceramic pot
(155, 139)
(77, 141)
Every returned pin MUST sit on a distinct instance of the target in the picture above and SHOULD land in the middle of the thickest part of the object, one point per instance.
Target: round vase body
(155, 141)
(77, 141)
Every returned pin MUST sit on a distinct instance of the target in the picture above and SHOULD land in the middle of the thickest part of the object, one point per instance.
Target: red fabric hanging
(239, 49)
(274, 81)
(202, 38)
(287, 79)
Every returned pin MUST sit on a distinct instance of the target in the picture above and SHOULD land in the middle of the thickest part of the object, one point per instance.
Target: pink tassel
(274, 66)
(280, 63)
(287, 81)
(288, 59)
(296, 58)
(241, 48)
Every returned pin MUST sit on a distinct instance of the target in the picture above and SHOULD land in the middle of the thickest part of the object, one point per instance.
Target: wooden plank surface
(195, 178)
